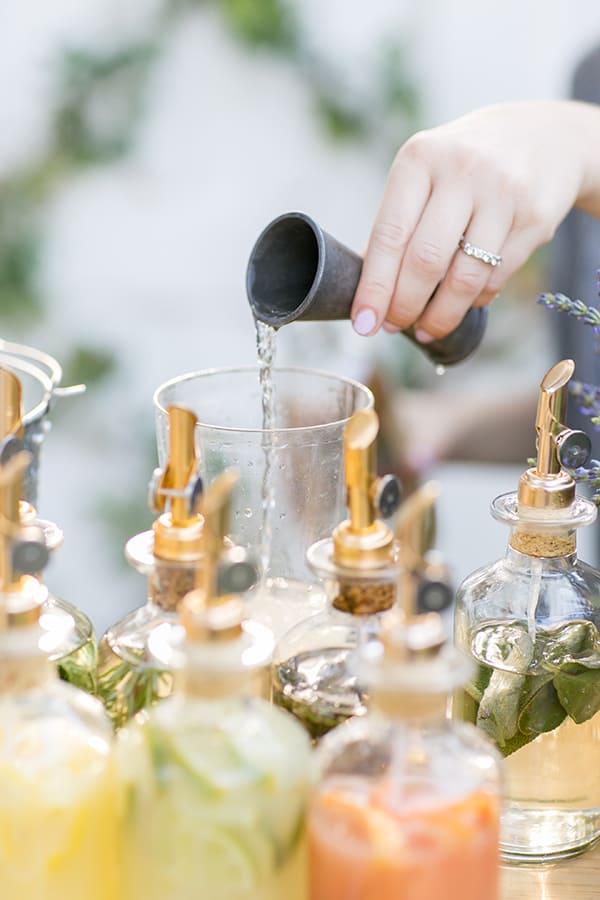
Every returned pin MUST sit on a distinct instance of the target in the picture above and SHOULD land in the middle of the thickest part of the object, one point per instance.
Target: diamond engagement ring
(490, 259)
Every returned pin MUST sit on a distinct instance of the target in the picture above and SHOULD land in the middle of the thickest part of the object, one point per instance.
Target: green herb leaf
(578, 688)
(541, 709)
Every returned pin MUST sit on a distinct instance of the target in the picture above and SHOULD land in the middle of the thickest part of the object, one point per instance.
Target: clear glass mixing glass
(291, 490)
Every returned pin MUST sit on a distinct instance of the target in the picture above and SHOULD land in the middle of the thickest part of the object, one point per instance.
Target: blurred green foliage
(99, 100)
(88, 365)
(263, 23)
(98, 103)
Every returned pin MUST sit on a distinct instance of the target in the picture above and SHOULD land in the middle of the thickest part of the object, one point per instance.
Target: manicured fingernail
(365, 321)
(423, 336)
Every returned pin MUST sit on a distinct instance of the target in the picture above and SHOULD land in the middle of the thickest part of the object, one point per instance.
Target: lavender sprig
(587, 397)
(589, 475)
(588, 315)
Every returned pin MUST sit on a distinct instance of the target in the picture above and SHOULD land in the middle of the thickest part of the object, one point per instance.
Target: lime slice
(208, 756)
(228, 863)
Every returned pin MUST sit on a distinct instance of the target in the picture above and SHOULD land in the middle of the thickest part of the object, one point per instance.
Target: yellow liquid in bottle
(58, 814)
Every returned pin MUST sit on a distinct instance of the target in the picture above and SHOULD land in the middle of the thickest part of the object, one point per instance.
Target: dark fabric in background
(574, 262)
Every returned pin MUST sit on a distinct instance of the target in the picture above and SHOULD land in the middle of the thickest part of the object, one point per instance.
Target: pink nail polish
(423, 336)
(365, 321)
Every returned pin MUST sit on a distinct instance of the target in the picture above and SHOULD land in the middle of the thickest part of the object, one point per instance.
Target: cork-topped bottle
(531, 622)
(130, 674)
(71, 639)
(58, 790)
(359, 568)
(408, 802)
(217, 777)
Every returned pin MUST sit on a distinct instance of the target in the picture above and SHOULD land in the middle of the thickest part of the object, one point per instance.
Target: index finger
(406, 194)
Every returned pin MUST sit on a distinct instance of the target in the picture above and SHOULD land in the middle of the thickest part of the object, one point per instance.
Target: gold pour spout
(416, 524)
(11, 486)
(548, 485)
(424, 580)
(364, 540)
(214, 612)
(175, 492)
(360, 438)
(11, 422)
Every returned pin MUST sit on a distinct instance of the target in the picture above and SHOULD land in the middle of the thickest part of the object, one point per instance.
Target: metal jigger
(298, 272)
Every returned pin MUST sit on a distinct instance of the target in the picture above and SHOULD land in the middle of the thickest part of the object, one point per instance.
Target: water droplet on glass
(282, 515)
(440, 370)
(248, 512)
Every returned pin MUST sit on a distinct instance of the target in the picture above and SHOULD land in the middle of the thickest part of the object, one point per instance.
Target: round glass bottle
(58, 791)
(130, 675)
(312, 673)
(73, 641)
(217, 778)
(408, 802)
(531, 622)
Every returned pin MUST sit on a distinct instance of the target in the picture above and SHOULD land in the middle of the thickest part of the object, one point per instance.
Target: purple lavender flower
(588, 315)
(587, 397)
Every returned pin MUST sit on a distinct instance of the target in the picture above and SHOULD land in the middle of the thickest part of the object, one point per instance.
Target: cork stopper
(363, 540)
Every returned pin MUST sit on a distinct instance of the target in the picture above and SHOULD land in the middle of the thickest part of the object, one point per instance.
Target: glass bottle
(531, 622)
(216, 778)
(71, 640)
(58, 789)
(311, 675)
(131, 676)
(408, 803)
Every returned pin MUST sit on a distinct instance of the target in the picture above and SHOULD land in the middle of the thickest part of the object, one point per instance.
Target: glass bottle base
(543, 835)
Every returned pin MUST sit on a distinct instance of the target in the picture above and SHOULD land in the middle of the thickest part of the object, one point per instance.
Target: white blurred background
(140, 252)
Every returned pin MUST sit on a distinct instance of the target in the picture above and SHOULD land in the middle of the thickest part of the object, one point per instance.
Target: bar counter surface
(574, 879)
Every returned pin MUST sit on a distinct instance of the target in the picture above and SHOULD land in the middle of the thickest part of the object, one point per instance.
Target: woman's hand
(503, 178)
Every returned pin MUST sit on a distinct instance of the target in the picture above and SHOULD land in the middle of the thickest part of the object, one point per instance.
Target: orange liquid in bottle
(402, 842)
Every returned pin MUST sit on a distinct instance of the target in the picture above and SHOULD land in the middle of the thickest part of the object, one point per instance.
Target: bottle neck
(198, 683)
(25, 669)
(416, 708)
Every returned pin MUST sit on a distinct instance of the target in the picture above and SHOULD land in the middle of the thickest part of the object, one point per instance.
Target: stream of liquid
(266, 345)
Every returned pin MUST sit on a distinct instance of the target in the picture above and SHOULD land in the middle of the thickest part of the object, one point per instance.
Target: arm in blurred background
(504, 177)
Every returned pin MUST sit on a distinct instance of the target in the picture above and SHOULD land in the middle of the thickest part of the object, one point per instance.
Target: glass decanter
(72, 641)
(216, 778)
(531, 622)
(130, 676)
(59, 797)
(312, 678)
(408, 802)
